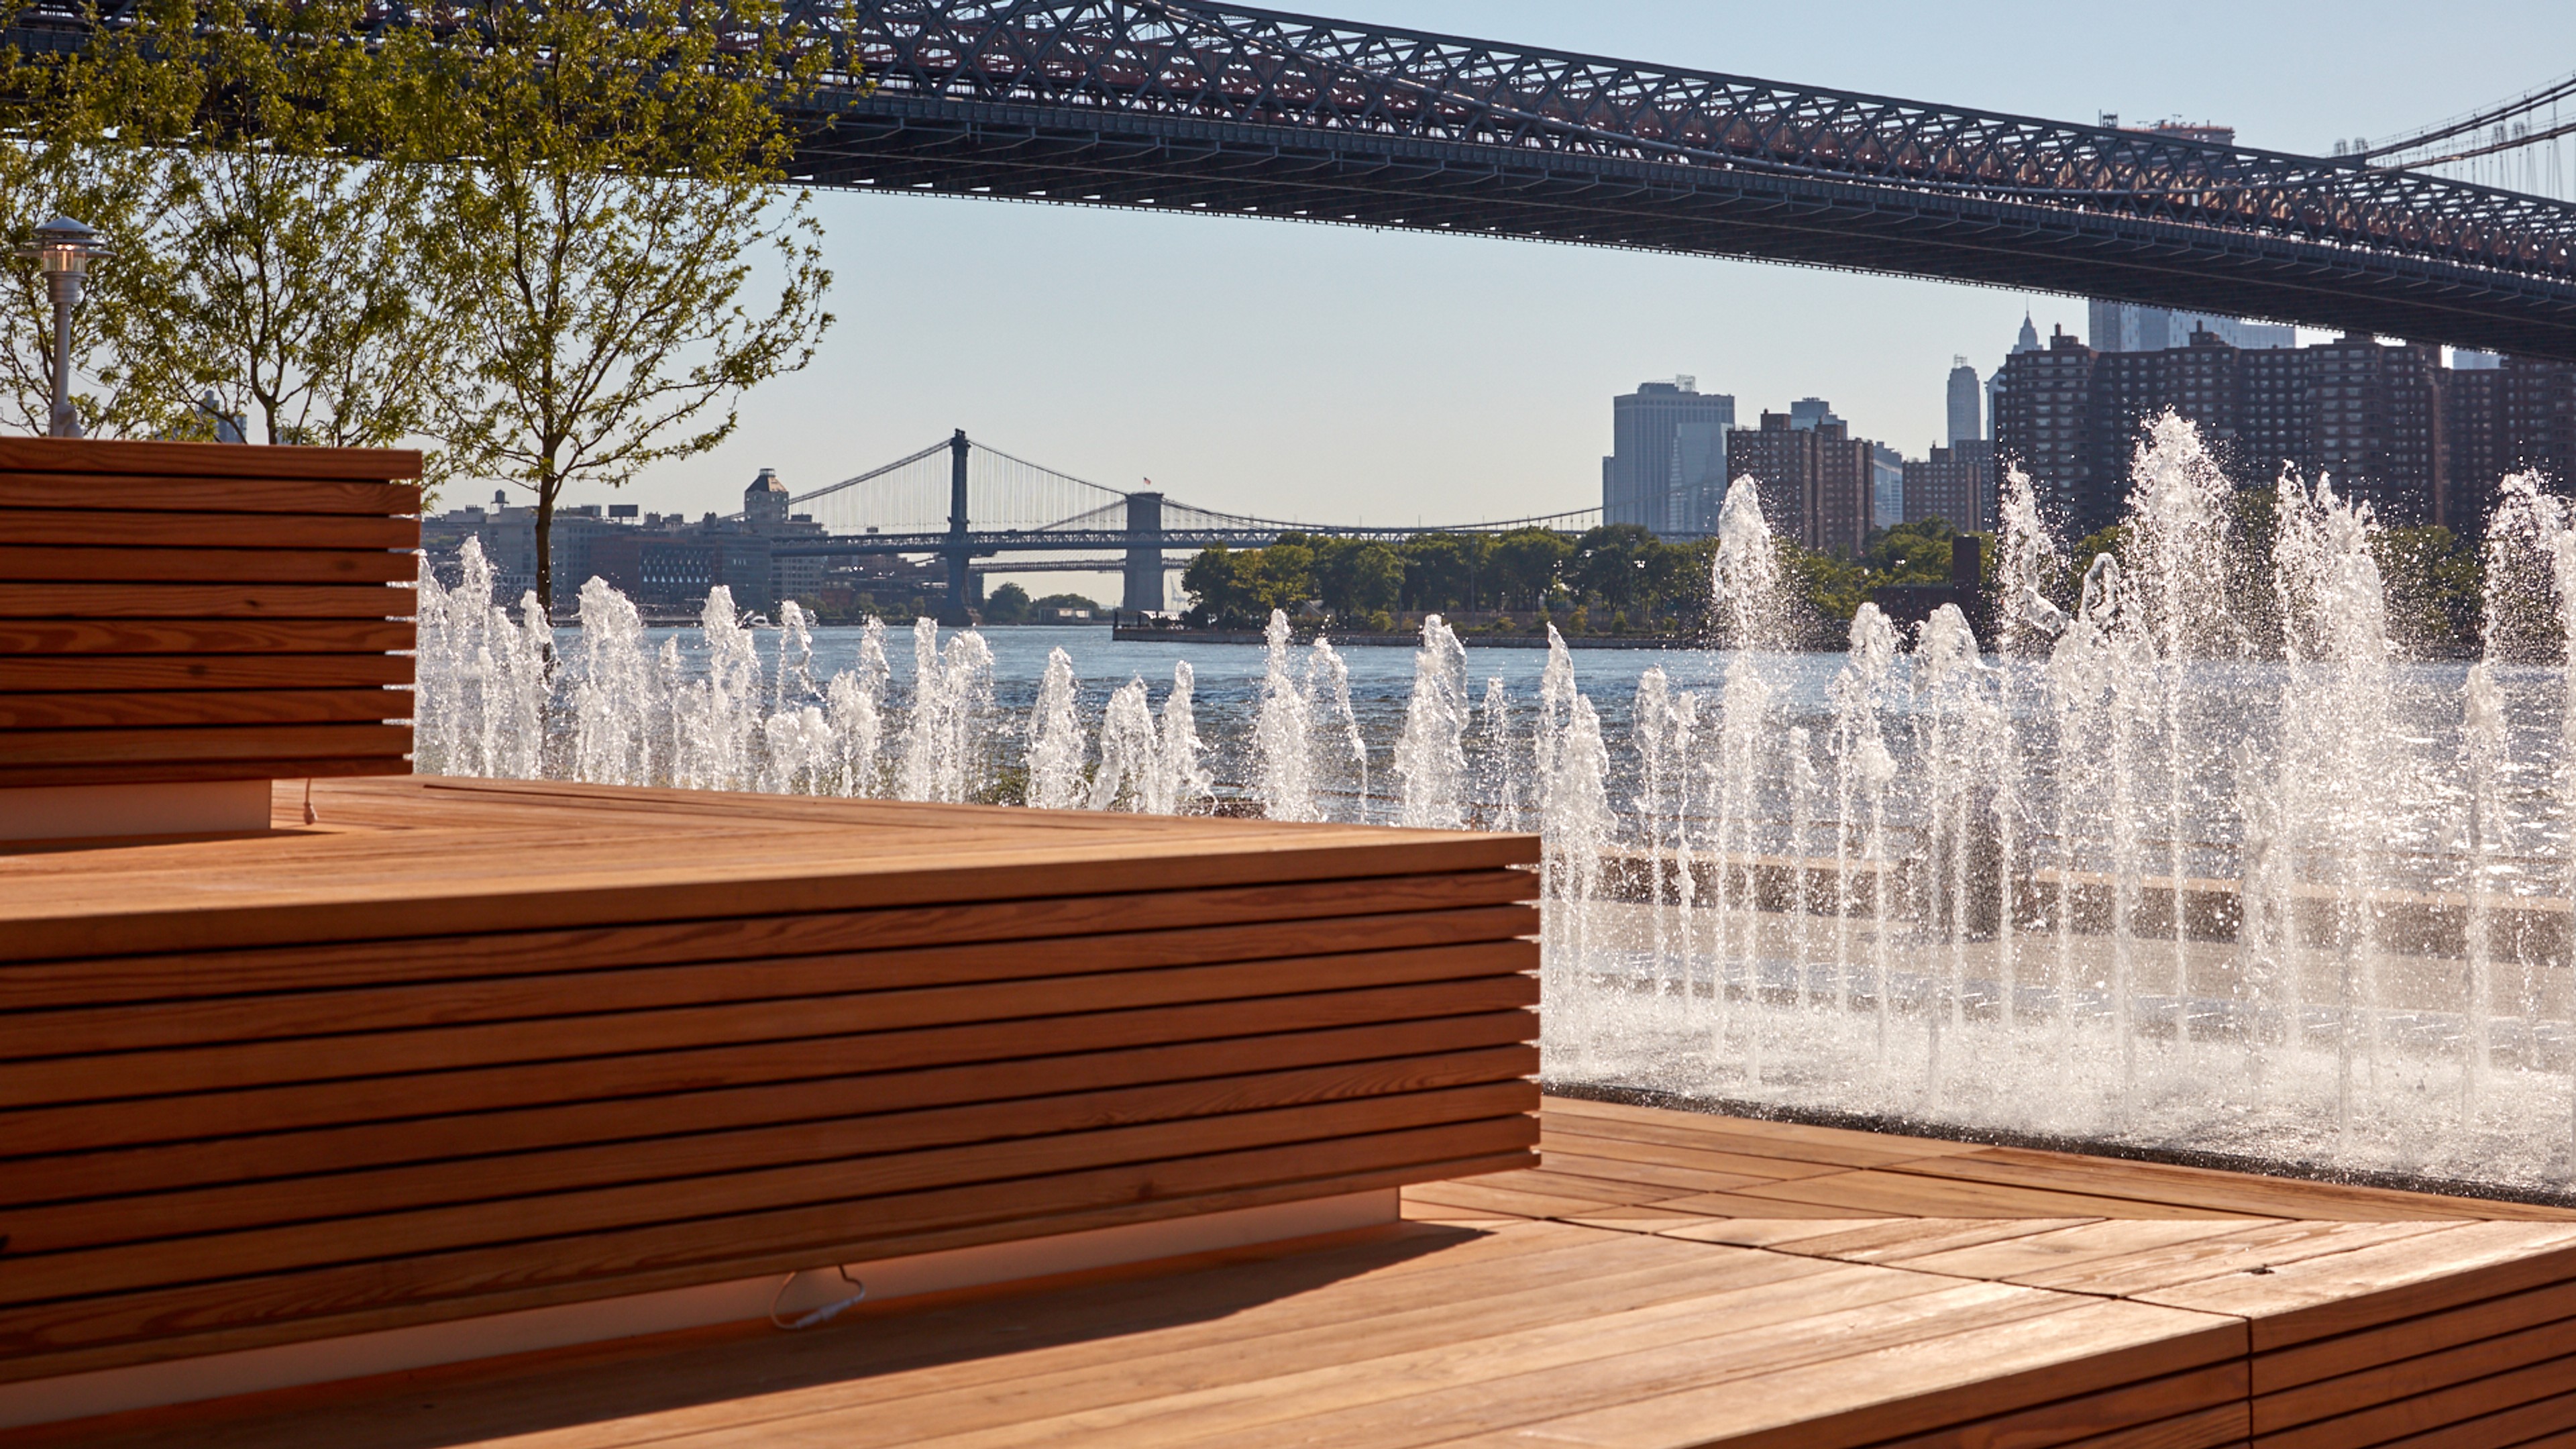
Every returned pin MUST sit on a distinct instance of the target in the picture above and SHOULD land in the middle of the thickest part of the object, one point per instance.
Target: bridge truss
(1177, 105)
(1201, 107)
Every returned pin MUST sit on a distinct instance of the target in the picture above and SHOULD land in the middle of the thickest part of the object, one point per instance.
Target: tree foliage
(618, 175)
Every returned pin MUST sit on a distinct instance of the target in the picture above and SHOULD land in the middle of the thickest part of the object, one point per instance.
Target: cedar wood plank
(394, 1119)
(318, 1010)
(271, 565)
(87, 528)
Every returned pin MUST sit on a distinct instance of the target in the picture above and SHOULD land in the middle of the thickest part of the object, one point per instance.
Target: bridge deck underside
(896, 142)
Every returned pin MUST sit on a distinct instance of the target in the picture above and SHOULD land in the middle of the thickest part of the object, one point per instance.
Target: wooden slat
(2205, 1399)
(2413, 1378)
(317, 889)
(160, 493)
(2228, 1191)
(392, 1120)
(75, 460)
(1281, 945)
(91, 638)
(67, 1336)
(275, 565)
(1454, 980)
(937, 1106)
(90, 528)
(1872, 1191)
(205, 601)
(2462, 1264)
(1164, 927)
(180, 672)
(23, 748)
(2308, 1363)
(181, 771)
(20, 711)
(2425, 1412)
(364, 1219)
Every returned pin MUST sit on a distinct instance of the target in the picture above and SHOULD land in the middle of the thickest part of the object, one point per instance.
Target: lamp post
(63, 249)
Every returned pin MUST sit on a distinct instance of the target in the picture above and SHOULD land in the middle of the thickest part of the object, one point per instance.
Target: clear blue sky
(1334, 374)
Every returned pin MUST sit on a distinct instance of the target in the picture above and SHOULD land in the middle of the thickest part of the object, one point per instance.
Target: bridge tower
(1144, 552)
(958, 552)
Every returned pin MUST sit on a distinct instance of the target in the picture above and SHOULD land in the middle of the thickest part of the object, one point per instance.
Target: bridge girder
(1173, 105)
(1184, 105)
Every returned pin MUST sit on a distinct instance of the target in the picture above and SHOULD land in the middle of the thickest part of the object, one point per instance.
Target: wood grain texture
(108, 674)
(204, 601)
(158, 772)
(91, 458)
(317, 1117)
(183, 708)
(91, 528)
(94, 638)
(278, 564)
(20, 748)
(1649, 1328)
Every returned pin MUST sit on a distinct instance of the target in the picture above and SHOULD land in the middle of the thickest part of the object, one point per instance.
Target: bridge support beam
(1144, 553)
(953, 614)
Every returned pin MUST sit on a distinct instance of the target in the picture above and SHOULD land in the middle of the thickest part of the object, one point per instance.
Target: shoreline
(1129, 634)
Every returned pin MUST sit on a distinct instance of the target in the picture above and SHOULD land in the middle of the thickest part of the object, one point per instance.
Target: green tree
(1281, 576)
(1217, 592)
(87, 133)
(1527, 563)
(1610, 564)
(1067, 601)
(308, 293)
(1008, 604)
(1445, 571)
(619, 173)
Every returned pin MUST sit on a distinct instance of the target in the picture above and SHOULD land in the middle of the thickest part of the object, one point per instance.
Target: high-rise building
(1955, 484)
(2028, 341)
(2387, 423)
(2128, 327)
(764, 508)
(1667, 469)
(1967, 404)
(1811, 412)
(1887, 486)
(1816, 482)
(2044, 420)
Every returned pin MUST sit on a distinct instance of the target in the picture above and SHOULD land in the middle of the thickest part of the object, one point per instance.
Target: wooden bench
(189, 612)
(467, 1047)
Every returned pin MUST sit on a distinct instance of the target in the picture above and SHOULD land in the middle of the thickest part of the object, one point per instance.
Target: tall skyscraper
(2028, 341)
(1667, 468)
(2128, 327)
(1887, 486)
(1967, 404)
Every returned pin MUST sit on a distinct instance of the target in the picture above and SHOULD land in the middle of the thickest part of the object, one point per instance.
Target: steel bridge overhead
(1180, 105)
(1170, 105)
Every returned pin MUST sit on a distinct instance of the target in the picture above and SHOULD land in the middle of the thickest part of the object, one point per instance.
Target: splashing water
(2193, 858)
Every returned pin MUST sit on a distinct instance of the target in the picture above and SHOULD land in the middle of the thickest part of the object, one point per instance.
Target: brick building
(1955, 484)
(1815, 481)
(2388, 423)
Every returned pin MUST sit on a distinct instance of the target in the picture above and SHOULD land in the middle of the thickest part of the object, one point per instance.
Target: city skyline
(1344, 375)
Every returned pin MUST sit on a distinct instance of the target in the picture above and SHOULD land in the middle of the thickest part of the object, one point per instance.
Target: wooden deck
(1664, 1279)
(465, 1048)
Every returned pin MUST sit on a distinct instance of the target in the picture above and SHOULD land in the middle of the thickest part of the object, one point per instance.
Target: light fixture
(63, 250)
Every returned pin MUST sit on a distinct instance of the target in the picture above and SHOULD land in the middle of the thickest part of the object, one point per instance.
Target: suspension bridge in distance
(960, 501)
